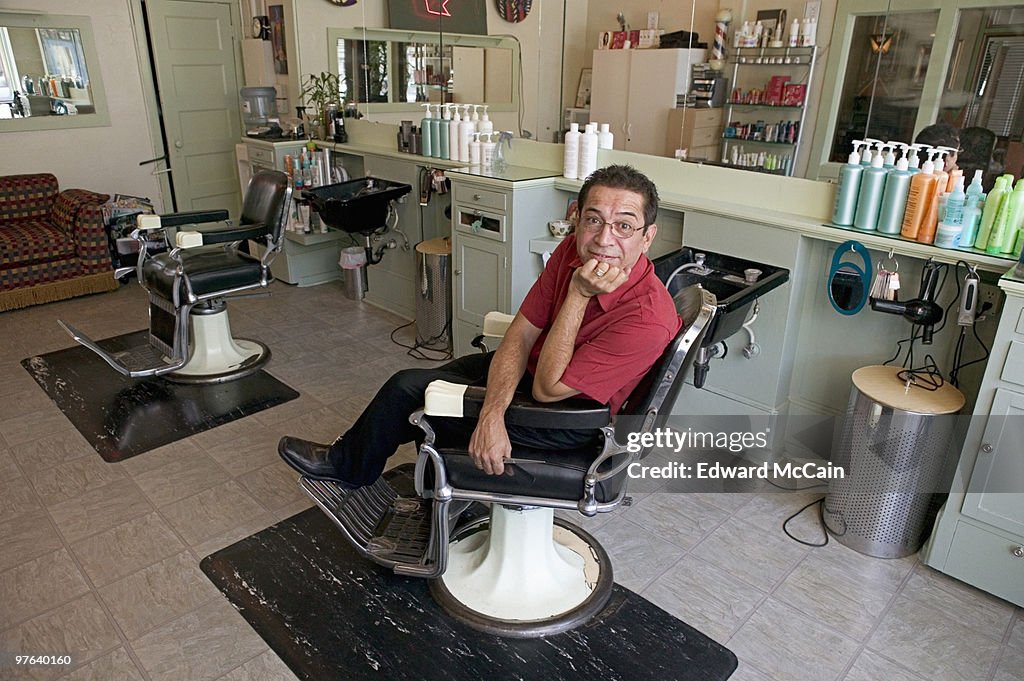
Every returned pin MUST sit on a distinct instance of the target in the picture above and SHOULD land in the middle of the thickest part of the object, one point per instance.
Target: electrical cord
(421, 349)
(821, 520)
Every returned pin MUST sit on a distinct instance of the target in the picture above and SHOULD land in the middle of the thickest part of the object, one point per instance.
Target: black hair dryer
(923, 310)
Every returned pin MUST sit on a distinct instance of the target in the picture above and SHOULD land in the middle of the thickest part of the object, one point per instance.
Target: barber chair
(518, 571)
(190, 337)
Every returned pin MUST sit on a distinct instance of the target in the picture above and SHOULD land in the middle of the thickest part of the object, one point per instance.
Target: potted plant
(320, 92)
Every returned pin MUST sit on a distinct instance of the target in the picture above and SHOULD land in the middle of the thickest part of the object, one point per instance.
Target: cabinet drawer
(263, 157)
(480, 198)
(477, 222)
(987, 560)
(703, 137)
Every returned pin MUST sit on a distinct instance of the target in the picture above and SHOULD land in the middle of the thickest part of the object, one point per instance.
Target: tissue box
(650, 38)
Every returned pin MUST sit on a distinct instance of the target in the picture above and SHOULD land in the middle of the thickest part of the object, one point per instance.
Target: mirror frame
(101, 117)
(402, 36)
(847, 11)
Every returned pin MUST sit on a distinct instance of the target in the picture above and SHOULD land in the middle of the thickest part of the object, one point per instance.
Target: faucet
(705, 354)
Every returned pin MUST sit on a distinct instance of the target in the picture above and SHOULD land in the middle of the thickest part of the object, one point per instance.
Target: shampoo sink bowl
(357, 206)
(722, 275)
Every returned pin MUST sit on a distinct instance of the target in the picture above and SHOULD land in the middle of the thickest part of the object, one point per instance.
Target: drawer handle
(987, 448)
(477, 197)
(1018, 552)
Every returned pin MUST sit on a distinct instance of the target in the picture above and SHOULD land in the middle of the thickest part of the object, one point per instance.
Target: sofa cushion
(27, 196)
(27, 242)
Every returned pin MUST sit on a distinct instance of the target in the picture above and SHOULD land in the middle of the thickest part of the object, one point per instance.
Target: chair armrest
(452, 399)
(193, 217)
(79, 213)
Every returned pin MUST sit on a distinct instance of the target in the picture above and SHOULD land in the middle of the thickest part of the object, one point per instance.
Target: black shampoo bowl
(724, 276)
(358, 206)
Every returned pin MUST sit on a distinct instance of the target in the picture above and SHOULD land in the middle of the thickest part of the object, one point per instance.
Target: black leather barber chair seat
(518, 571)
(189, 333)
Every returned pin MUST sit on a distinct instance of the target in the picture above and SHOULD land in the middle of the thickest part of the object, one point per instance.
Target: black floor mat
(122, 417)
(331, 614)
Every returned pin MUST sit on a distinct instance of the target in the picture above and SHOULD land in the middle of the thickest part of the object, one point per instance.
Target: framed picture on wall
(276, 13)
(583, 90)
(773, 21)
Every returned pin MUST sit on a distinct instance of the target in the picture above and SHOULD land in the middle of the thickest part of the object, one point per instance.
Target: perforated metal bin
(434, 294)
(894, 446)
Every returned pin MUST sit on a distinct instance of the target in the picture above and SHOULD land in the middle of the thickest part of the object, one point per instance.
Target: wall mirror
(49, 73)
(393, 71)
(901, 65)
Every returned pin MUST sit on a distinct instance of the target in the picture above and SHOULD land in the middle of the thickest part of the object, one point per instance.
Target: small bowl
(559, 228)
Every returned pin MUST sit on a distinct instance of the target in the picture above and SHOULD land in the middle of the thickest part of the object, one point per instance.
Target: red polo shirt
(622, 335)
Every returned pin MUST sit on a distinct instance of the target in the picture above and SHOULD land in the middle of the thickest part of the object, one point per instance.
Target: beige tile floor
(101, 560)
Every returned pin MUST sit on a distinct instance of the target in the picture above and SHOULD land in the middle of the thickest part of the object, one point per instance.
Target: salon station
(227, 221)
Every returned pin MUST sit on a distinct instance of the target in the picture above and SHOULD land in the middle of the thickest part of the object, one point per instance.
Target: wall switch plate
(652, 21)
(811, 9)
(987, 293)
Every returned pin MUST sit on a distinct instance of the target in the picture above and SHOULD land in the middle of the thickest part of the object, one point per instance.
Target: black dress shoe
(310, 459)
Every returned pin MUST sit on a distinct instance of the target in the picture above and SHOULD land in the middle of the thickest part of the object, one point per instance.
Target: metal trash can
(434, 294)
(353, 262)
(893, 446)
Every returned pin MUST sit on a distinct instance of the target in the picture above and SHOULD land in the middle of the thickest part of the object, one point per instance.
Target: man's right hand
(489, 446)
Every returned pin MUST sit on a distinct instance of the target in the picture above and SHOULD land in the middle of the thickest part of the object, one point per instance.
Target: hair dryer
(923, 310)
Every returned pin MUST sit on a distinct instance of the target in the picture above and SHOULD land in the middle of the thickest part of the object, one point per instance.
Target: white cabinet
(493, 268)
(979, 533)
(635, 90)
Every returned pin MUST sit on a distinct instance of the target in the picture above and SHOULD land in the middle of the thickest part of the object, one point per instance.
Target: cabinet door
(996, 491)
(608, 102)
(480, 280)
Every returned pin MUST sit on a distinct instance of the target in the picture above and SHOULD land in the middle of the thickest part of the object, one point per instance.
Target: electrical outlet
(811, 9)
(988, 293)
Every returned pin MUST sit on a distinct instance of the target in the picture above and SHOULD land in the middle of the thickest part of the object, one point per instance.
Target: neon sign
(442, 6)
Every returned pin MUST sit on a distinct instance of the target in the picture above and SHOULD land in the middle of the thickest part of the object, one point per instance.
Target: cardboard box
(773, 92)
(619, 39)
(793, 94)
(604, 40)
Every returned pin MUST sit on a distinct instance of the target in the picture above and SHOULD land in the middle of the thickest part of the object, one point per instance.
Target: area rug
(328, 613)
(122, 417)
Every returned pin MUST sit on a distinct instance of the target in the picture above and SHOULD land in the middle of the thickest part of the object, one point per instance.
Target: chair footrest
(389, 529)
(140, 361)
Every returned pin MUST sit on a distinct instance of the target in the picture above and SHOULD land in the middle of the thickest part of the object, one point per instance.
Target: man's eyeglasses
(623, 230)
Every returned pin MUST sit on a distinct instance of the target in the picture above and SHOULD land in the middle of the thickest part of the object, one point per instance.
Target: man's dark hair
(623, 177)
(939, 135)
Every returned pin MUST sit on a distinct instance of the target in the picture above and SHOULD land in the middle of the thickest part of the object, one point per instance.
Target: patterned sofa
(52, 243)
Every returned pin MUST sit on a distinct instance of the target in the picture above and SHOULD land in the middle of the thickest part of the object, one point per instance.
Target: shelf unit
(747, 61)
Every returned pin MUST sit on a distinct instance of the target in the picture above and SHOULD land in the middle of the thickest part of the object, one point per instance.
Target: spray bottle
(922, 189)
(500, 164)
(849, 188)
(869, 202)
(425, 133)
(973, 204)
(894, 198)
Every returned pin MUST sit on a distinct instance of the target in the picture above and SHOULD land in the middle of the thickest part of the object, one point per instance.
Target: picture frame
(773, 20)
(583, 89)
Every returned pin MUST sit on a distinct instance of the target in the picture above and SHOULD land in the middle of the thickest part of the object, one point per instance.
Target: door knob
(178, 144)
(1018, 552)
(987, 448)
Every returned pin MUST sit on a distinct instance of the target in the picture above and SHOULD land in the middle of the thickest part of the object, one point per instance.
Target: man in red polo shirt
(592, 325)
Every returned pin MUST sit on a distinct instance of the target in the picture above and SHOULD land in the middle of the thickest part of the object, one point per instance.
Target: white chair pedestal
(217, 356)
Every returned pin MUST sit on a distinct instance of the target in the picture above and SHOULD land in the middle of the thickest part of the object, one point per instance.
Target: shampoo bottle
(571, 161)
(973, 204)
(588, 151)
(951, 227)
(605, 139)
(427, 142)
(476, 118)
(486, 124)
(849, 188)
(888, 158)
(454, 130)
(1003, 237)
(869, 150)
(922, 190)
(869, 202)
(475, 151)
(894, 198)
(988, 216)
(487, 150)
(1015, 217)
(444, 131)
(435, 133)
(914, 162)
(930, 222)
(465, 135)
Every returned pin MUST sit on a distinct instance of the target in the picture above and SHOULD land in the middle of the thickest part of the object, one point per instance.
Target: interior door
(193, 45)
